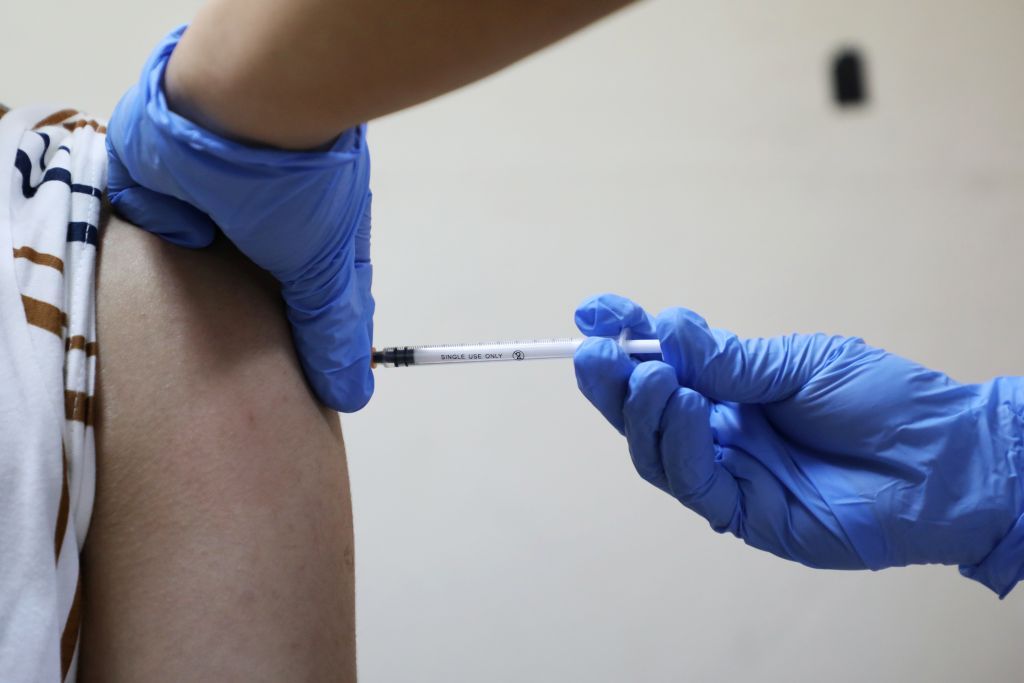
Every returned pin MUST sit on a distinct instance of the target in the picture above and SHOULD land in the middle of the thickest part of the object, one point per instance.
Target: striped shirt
(52, 177)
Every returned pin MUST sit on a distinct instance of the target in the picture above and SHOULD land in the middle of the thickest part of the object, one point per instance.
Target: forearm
(294, 73)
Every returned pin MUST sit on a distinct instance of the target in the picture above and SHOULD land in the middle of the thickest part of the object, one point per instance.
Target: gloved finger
(333, 333)
(362, 236)
(170, 218)
(607, 315)
(651, 386)
(689, 457)
(602, 374)
(793, 523)
(723, 367)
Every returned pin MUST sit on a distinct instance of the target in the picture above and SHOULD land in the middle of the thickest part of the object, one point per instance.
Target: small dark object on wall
(849, 86)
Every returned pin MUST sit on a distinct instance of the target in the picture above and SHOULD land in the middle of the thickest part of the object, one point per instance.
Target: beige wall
(683, 153)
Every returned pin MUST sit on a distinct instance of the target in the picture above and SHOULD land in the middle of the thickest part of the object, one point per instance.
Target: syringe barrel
(496, 352)
(489, 352)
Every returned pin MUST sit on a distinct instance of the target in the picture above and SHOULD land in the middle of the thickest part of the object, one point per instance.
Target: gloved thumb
(607, 315)
(170, 218)
(723, 367)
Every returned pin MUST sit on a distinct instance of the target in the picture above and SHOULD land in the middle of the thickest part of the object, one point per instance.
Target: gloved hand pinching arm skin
(292, 75)
(819, 449)
(302, 216)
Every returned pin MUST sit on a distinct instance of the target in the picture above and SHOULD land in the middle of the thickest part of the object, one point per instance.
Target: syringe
(487, 352)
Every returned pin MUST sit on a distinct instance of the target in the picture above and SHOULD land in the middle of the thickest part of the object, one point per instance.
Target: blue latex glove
(303, 216)
(818, 449)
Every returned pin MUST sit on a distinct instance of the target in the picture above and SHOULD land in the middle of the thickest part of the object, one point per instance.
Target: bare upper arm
(181, 328)
(221, 540)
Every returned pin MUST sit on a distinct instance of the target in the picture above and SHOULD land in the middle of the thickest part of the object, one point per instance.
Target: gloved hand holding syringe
(820, 449)
(483, 352)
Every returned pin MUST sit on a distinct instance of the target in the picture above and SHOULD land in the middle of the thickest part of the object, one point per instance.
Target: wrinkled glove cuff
(1004, 566)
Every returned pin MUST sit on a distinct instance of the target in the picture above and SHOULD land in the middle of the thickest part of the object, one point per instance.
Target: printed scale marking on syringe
(498, 351)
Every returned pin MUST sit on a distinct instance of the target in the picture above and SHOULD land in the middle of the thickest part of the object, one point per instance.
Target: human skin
(295, 73)
(221, 540)
(221, 543)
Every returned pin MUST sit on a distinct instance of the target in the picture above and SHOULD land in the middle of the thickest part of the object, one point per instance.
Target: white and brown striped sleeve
(53, 200)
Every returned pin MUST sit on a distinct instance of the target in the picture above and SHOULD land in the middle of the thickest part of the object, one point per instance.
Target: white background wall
(682, 153)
